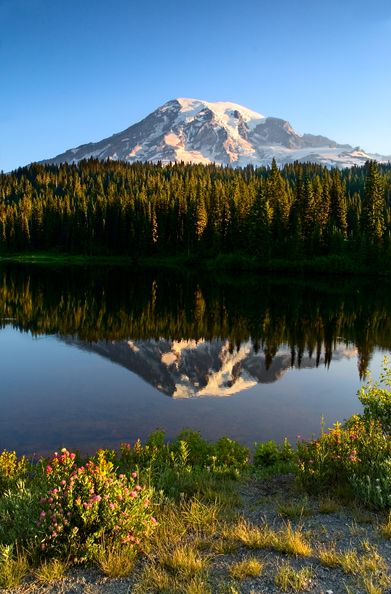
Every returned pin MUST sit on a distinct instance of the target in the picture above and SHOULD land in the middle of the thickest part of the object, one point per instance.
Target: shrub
(374, 492)
(377, 400)
(269, 453)
(11, 469)
(354, 450)
(200, 451)
(19, 509)
(230, 453)
(89, 503)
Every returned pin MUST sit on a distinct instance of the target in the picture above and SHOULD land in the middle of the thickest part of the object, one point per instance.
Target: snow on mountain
(219, 132)
(189, 368)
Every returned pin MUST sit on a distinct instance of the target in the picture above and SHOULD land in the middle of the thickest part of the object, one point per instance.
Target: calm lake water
(91, 357)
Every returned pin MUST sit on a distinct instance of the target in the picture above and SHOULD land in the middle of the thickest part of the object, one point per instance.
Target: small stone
(328, 592)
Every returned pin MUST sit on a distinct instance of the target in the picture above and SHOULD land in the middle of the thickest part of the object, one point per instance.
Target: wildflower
(352, 458)
(72, 455)
(49, 469)
(43, 500)
(138, 488)
(134, 474)
(297, 436)
(311, 461)
(43, 514)
(133, 494)
(354, 453)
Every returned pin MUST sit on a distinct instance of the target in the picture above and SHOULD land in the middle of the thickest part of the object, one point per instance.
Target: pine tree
(338, 203)
(372, 211)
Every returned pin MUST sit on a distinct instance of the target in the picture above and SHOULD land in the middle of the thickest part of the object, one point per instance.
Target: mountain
(188, 368)
(219, 132)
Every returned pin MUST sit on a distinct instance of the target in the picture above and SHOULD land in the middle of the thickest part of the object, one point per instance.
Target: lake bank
(323, 265)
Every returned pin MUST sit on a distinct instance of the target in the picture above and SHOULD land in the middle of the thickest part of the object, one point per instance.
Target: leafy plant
(269, 453)
(200, 451)
(85, 504)
(231, 453)
(376, 400)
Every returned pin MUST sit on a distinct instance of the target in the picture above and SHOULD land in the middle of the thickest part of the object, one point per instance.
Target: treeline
(122, 303)
(142, 210)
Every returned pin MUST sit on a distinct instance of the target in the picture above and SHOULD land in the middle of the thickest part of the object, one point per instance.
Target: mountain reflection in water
(188, 369)
(244, 321)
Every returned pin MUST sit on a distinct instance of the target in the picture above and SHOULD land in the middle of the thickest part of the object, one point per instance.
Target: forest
(111, 208)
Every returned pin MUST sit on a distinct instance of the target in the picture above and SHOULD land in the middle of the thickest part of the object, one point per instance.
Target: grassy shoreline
(325, 265)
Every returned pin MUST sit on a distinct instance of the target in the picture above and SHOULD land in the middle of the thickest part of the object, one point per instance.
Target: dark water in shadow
(93, 356)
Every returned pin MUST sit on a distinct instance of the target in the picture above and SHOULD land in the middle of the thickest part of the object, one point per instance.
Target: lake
(93, 356)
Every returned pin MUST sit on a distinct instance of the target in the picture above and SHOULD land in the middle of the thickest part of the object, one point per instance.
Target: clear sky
(77, 71)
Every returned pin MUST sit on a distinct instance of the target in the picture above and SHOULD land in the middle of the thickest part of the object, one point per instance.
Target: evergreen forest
(110, 208)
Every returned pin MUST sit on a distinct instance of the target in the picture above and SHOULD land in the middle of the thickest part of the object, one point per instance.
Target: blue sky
(78, 71)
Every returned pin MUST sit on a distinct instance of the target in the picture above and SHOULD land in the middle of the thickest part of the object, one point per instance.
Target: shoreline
(321, 266)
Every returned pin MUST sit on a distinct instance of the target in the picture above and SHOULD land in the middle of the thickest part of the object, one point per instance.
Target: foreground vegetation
(165, 513)
(302, 217)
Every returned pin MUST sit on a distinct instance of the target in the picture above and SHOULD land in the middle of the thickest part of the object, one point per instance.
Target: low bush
(268, 453)
(85, 504)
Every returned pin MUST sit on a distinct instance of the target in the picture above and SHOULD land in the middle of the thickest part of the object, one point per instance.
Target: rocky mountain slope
(197, 131)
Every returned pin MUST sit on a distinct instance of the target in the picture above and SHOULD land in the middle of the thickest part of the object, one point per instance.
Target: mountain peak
(221, 132)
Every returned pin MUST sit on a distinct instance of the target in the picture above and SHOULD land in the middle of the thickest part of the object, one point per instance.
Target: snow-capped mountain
(188, 369)
(197, 131)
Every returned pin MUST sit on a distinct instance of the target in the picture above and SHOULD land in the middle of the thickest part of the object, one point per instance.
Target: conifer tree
(372, 218)
(338, 203)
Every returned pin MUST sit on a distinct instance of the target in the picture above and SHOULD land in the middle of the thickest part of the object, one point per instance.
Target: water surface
(91, 357)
